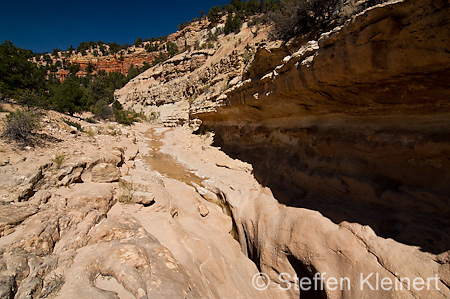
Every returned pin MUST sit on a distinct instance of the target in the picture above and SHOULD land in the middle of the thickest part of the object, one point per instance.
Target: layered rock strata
(351, 129)
(194, 79)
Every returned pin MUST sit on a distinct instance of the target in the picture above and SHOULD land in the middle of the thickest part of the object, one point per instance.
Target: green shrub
(116, 105)
(154, 116)
(247, 56)
(59, 159)
(128, 117)
(233, 24)
(214, 15)
(17, 72)
(30, 98)
(90, 132)
(197, 45)
(295, 17)
(298, 16)
(124, 117)
(91, 120)
(127, 191)
(69, 97)
(102, 110)
(21, 126)
(159, 59)
(172, 49)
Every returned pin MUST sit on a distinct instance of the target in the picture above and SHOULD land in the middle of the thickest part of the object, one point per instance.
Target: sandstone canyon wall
(194, 79)
(350, 133)
(113, 64)
(355, 126)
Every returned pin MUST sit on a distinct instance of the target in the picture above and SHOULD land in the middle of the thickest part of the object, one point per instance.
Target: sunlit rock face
(195, 79)
(353, 125)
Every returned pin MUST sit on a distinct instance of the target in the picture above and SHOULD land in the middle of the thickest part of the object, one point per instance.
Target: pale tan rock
(105, 173)
(109, 156)
(135, 183)
(73, 130)
(325, 131)
(208, 195)
(203, 210)
(25, 192)
(145, 198)
(12, 215)
(193, 80)
(174, 212)
(126, 252)
(71, 173)
(96, 195)
(260, 219)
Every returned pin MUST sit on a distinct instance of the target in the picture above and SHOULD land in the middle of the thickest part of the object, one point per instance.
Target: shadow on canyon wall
(389, 187)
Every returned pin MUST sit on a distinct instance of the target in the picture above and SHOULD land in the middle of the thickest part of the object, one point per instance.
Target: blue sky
(44, 25)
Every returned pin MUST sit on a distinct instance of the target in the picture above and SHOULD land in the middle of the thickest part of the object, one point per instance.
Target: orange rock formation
(112, 64)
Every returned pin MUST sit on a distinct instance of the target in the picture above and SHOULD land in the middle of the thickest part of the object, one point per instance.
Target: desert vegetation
(32, 86)
(21, 126)
(35, 84)
(291, 18)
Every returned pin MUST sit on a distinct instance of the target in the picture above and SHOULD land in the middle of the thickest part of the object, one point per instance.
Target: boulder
(105, 173)
(145, 198)
(203, 210)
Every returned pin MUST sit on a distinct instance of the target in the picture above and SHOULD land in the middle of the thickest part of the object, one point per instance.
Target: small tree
(138, 42)
(89, 68)
(214, 15)
(116, 105)
(252, 7)
(53, 68)
(102, 110)
(295, 17)
(238, 4)
(74, 68)
(69, 97)
(29, 98)
(172, 49)
(233, 24)
(17, 72)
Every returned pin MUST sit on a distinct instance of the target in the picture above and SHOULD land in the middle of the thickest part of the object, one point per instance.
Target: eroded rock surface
(100, 222)
(303, 242)
(333, 160)
(194, 79)
(350, 133)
